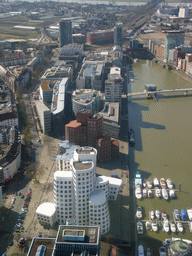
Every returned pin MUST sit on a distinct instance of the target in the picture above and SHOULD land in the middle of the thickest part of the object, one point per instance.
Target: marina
(162, 146)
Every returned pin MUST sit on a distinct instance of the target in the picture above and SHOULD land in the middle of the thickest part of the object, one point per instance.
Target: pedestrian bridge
(185, 91)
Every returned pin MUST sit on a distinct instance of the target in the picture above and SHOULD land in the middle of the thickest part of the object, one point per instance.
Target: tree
(34, 171)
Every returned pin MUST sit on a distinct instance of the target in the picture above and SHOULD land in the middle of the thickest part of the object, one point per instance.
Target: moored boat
(166, 226)
(138, 193)
(172, 193)
(162, 251)
(149, 184)
(140, 250)
(158, 214)
(144, 192)
(189, 212)
(148, 225)
(139, 213)
(148, 252)
(165, 194)
(184, 214)
(190, 226)
(136, 60)
(139, 228)
(169, 183)
(131, 137)
(173, 226)
(176, 215)
(179, 226)
(154, 226)
(163, 215)
(158, 192)
(156, 182)
(150, 193)
(163, 183)
(152, 215)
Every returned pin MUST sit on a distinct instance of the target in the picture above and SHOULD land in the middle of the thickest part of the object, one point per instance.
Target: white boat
(148, 252)
(139, 228)
(166, 226)
(154, 226)
(136, 60)
(150, 193)
(172, 193)
(144, 192)
(158, 214)
(162, 251)
(152, 215)
(179, 226)
(148, 225)
(140, 250)
(163, 183)
(144, 184)
(138, 193)
(139, 213)
(165, 194)
(190, 226)
(163, 215)
(158, 192)
(189, 212)
(176, 215)
(173, 226)
(131, 137)
(149, 184)
(156, 182)
(169, 183)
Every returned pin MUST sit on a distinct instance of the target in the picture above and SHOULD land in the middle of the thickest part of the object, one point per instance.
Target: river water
(163, 136)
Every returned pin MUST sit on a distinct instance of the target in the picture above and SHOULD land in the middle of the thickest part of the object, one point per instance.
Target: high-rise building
(173, 38)
(118, 34)
(65, 32)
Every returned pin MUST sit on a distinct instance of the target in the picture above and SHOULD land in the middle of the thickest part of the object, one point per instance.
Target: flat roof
(73, 124)
(97, 197)
(59, 97)
(85, 165)
(36, 242)
(45, 84)
(91, 234)
(63, 174)
(86, 150)
(47, 209)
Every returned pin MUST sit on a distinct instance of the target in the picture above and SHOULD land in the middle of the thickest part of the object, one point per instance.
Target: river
(163, 136)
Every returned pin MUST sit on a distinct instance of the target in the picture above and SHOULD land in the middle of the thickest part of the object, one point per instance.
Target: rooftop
(36, 242)
(86, 150)
(91, 234)
(48, 84)
(73, 124)
(47, 209)
(85, 165)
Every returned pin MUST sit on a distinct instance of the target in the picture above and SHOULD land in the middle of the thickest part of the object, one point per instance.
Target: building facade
(118, 34)
(65, 32)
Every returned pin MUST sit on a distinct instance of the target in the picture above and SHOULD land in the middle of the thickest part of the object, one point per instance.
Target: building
(70, 240)
(65, 32)
(118, 34)
(10, 159)
(110, 115)
(44, 114)
(46, 89)
(100, 37)
(46, 214)
(89, 131)
(87, 100)
(183, 12)
(91, 75)
(173, 38)
(78, 192)
(114, 85)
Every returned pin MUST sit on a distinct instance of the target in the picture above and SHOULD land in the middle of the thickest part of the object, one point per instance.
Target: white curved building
(99, 211)
(63, 195)
(84, 184)
(46, 214)
(102, 183)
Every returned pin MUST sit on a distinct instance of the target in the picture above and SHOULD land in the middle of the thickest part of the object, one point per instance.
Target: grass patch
(36, 181)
